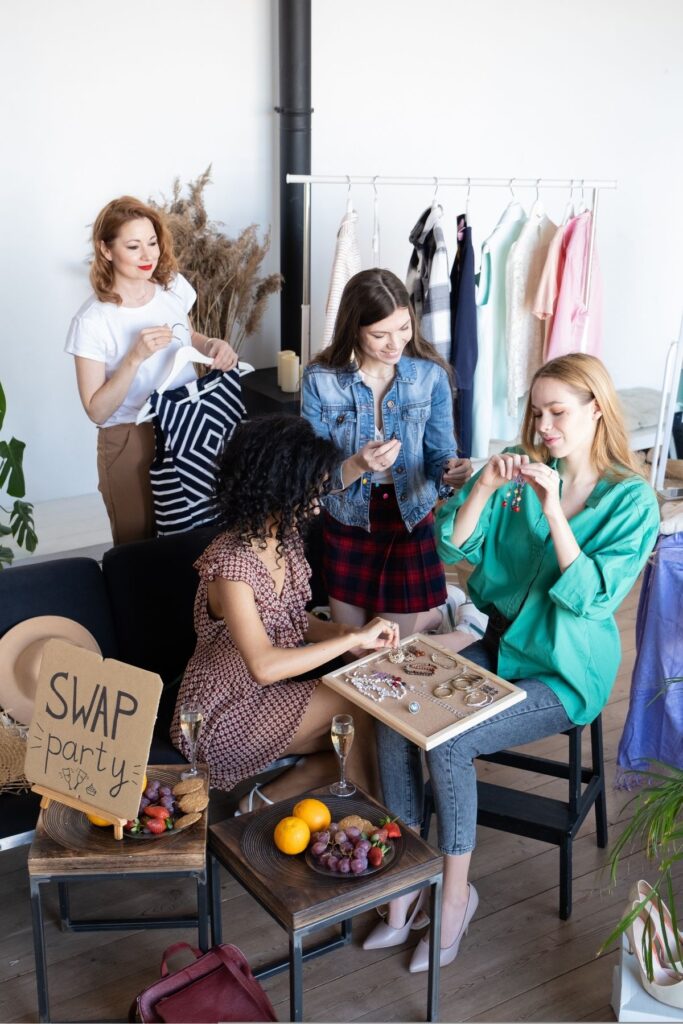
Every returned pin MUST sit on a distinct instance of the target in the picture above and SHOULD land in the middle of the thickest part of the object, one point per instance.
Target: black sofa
(139, 607)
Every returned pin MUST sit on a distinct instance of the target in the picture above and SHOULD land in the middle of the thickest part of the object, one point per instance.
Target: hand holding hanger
(186, 354)
(151, 340)
(223, 354)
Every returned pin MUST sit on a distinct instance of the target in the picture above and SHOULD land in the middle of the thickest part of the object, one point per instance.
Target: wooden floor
(518, 962)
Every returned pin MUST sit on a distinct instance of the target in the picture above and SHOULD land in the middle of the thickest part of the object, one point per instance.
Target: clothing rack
(307, 180)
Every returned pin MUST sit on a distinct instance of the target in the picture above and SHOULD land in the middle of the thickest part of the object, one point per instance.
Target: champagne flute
(191, 718)
(342, 740)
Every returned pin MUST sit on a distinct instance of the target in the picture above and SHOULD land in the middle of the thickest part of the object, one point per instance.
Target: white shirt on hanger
(346, 263)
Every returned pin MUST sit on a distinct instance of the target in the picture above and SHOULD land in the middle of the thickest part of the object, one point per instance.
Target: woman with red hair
(123, 339)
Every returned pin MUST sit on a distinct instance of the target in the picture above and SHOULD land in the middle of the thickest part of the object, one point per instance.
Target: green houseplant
(225, 272)
(20, 524)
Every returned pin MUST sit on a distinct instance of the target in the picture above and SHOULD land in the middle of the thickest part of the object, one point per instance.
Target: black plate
(388, 859)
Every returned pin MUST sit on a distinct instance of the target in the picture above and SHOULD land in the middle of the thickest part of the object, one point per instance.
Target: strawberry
(375, 856)
(379, 836)
(155, 811)
(392, 830)
(155, 825)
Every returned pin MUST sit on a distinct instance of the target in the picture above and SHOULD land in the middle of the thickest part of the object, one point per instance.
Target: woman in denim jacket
(381, 392)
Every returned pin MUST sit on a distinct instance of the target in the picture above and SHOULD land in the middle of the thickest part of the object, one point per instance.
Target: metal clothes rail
(307, 180)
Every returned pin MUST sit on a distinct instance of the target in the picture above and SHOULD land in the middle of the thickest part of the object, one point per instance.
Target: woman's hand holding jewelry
(457, 472)
(376, 456)
(545, 483)
(378, 633)
(223, 354)
(500, 470)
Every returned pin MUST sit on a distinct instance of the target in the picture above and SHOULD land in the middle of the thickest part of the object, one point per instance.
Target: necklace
(377, 376)
(377, 685)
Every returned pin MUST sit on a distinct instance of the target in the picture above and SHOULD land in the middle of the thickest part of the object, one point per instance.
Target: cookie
(193, 802)
(355, 821)
(186, 821)
(188, 786)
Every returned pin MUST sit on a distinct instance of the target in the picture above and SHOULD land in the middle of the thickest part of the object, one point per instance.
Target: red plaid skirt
(387, 569)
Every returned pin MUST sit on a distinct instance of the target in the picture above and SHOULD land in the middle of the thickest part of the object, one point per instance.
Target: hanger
(375, 223)
(569, 208)
(184, 355)
(467, 200)
(349, 200)
(582, 208)
(537, 208)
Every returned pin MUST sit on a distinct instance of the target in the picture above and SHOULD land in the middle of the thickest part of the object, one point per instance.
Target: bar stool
(540, 817)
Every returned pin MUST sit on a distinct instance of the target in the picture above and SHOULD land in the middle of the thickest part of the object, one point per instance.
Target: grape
(340, 836)
(362, 846)
(344, 866)
(167, 802)
(324, 857)
(152, 792)
(144, 802)
(165, 791)
(321, 837)
(333, 827)
(346, 848)
(358, 865)
(333, 863)
(353, 832)
(318, 848)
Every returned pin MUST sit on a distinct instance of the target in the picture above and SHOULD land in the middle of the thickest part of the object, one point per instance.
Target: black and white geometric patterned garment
(191, 424)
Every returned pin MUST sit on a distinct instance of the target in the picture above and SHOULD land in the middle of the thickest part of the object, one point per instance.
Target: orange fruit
(94, 820)
(315, 813)
(291, 835)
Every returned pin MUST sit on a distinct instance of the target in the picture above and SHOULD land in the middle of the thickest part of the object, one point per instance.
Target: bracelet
(443, 690)
(484, 702)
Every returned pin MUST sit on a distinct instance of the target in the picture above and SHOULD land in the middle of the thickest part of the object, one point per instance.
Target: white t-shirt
(105, 332)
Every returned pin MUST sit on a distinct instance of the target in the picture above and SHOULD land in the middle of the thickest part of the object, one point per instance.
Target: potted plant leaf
(225, 272)
(20, 525)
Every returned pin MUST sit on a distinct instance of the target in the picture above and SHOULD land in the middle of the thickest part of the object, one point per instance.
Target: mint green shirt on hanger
(563, 630)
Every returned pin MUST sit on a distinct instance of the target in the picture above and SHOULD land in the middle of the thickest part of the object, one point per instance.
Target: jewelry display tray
(435, 721)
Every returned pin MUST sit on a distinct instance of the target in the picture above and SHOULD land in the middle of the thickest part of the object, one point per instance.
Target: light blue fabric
(417, 409)
(654, 725)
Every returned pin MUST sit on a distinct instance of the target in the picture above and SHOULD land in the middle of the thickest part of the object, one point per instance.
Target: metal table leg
(434, 951)
(203, 918)
(39, 951)
(215, 891)
(296, 986)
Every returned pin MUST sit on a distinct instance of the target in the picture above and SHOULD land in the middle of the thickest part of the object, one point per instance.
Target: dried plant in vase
(224, 271)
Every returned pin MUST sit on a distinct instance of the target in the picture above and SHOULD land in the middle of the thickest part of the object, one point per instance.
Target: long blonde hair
(108, 223)
(588, 378)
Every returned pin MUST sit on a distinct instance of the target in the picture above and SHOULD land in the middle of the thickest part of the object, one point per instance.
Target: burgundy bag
(216, 986)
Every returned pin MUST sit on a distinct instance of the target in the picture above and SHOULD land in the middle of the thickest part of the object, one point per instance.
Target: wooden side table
(67, 848)
(303, 901)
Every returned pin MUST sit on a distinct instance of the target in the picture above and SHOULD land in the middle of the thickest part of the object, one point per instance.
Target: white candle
(280, 357)
(290, 373)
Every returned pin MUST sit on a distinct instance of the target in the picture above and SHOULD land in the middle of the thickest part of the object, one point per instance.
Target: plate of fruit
(166, 810)
(354, 847)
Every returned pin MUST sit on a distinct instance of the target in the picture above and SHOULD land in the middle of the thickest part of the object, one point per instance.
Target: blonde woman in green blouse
(557, 530)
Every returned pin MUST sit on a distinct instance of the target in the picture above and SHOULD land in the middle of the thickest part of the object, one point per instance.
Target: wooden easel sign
(89, 738)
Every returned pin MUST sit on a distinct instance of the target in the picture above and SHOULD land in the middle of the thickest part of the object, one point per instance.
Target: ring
(443, 690)
(413, 707)
(486, 699)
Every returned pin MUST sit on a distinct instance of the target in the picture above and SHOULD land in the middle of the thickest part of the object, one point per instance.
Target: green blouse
(563, 630)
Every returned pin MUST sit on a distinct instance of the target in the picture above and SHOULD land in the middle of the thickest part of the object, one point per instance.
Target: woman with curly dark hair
(254, 635)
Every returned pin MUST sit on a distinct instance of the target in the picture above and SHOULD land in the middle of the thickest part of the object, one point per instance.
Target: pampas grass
(224, 271)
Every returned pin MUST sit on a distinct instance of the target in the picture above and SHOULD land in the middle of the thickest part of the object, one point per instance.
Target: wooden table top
(93, 850)
(292, 891)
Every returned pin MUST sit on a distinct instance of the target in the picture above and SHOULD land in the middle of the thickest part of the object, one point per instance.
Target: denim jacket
(417, 409)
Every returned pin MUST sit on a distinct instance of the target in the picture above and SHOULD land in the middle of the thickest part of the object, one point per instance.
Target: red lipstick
(145, 266)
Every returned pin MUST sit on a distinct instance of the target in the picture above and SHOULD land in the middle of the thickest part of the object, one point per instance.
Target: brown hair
(588, 378)
(106, 228)
(371, 296)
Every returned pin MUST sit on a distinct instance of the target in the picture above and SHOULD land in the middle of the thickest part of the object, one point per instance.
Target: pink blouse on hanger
(570, 317)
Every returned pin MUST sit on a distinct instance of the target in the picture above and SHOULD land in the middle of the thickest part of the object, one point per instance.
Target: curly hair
(371, 296)
(272, 470)
(108, 223)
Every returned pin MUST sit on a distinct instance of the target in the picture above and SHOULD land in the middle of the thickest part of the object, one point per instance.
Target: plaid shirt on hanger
(428, 281)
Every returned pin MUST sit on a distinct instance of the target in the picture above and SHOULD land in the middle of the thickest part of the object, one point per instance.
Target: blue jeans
(451, 767)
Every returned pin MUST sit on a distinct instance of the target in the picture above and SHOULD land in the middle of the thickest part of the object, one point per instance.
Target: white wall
(101, 99)
(528, 88)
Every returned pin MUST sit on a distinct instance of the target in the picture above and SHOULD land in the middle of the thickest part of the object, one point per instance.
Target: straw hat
(21, 652)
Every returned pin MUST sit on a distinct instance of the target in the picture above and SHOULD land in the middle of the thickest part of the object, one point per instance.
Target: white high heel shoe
(253, 793)
(383, 935)
(420, 958)
(666, 984)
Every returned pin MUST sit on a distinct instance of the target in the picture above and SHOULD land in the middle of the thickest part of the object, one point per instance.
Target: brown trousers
(124, 455)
